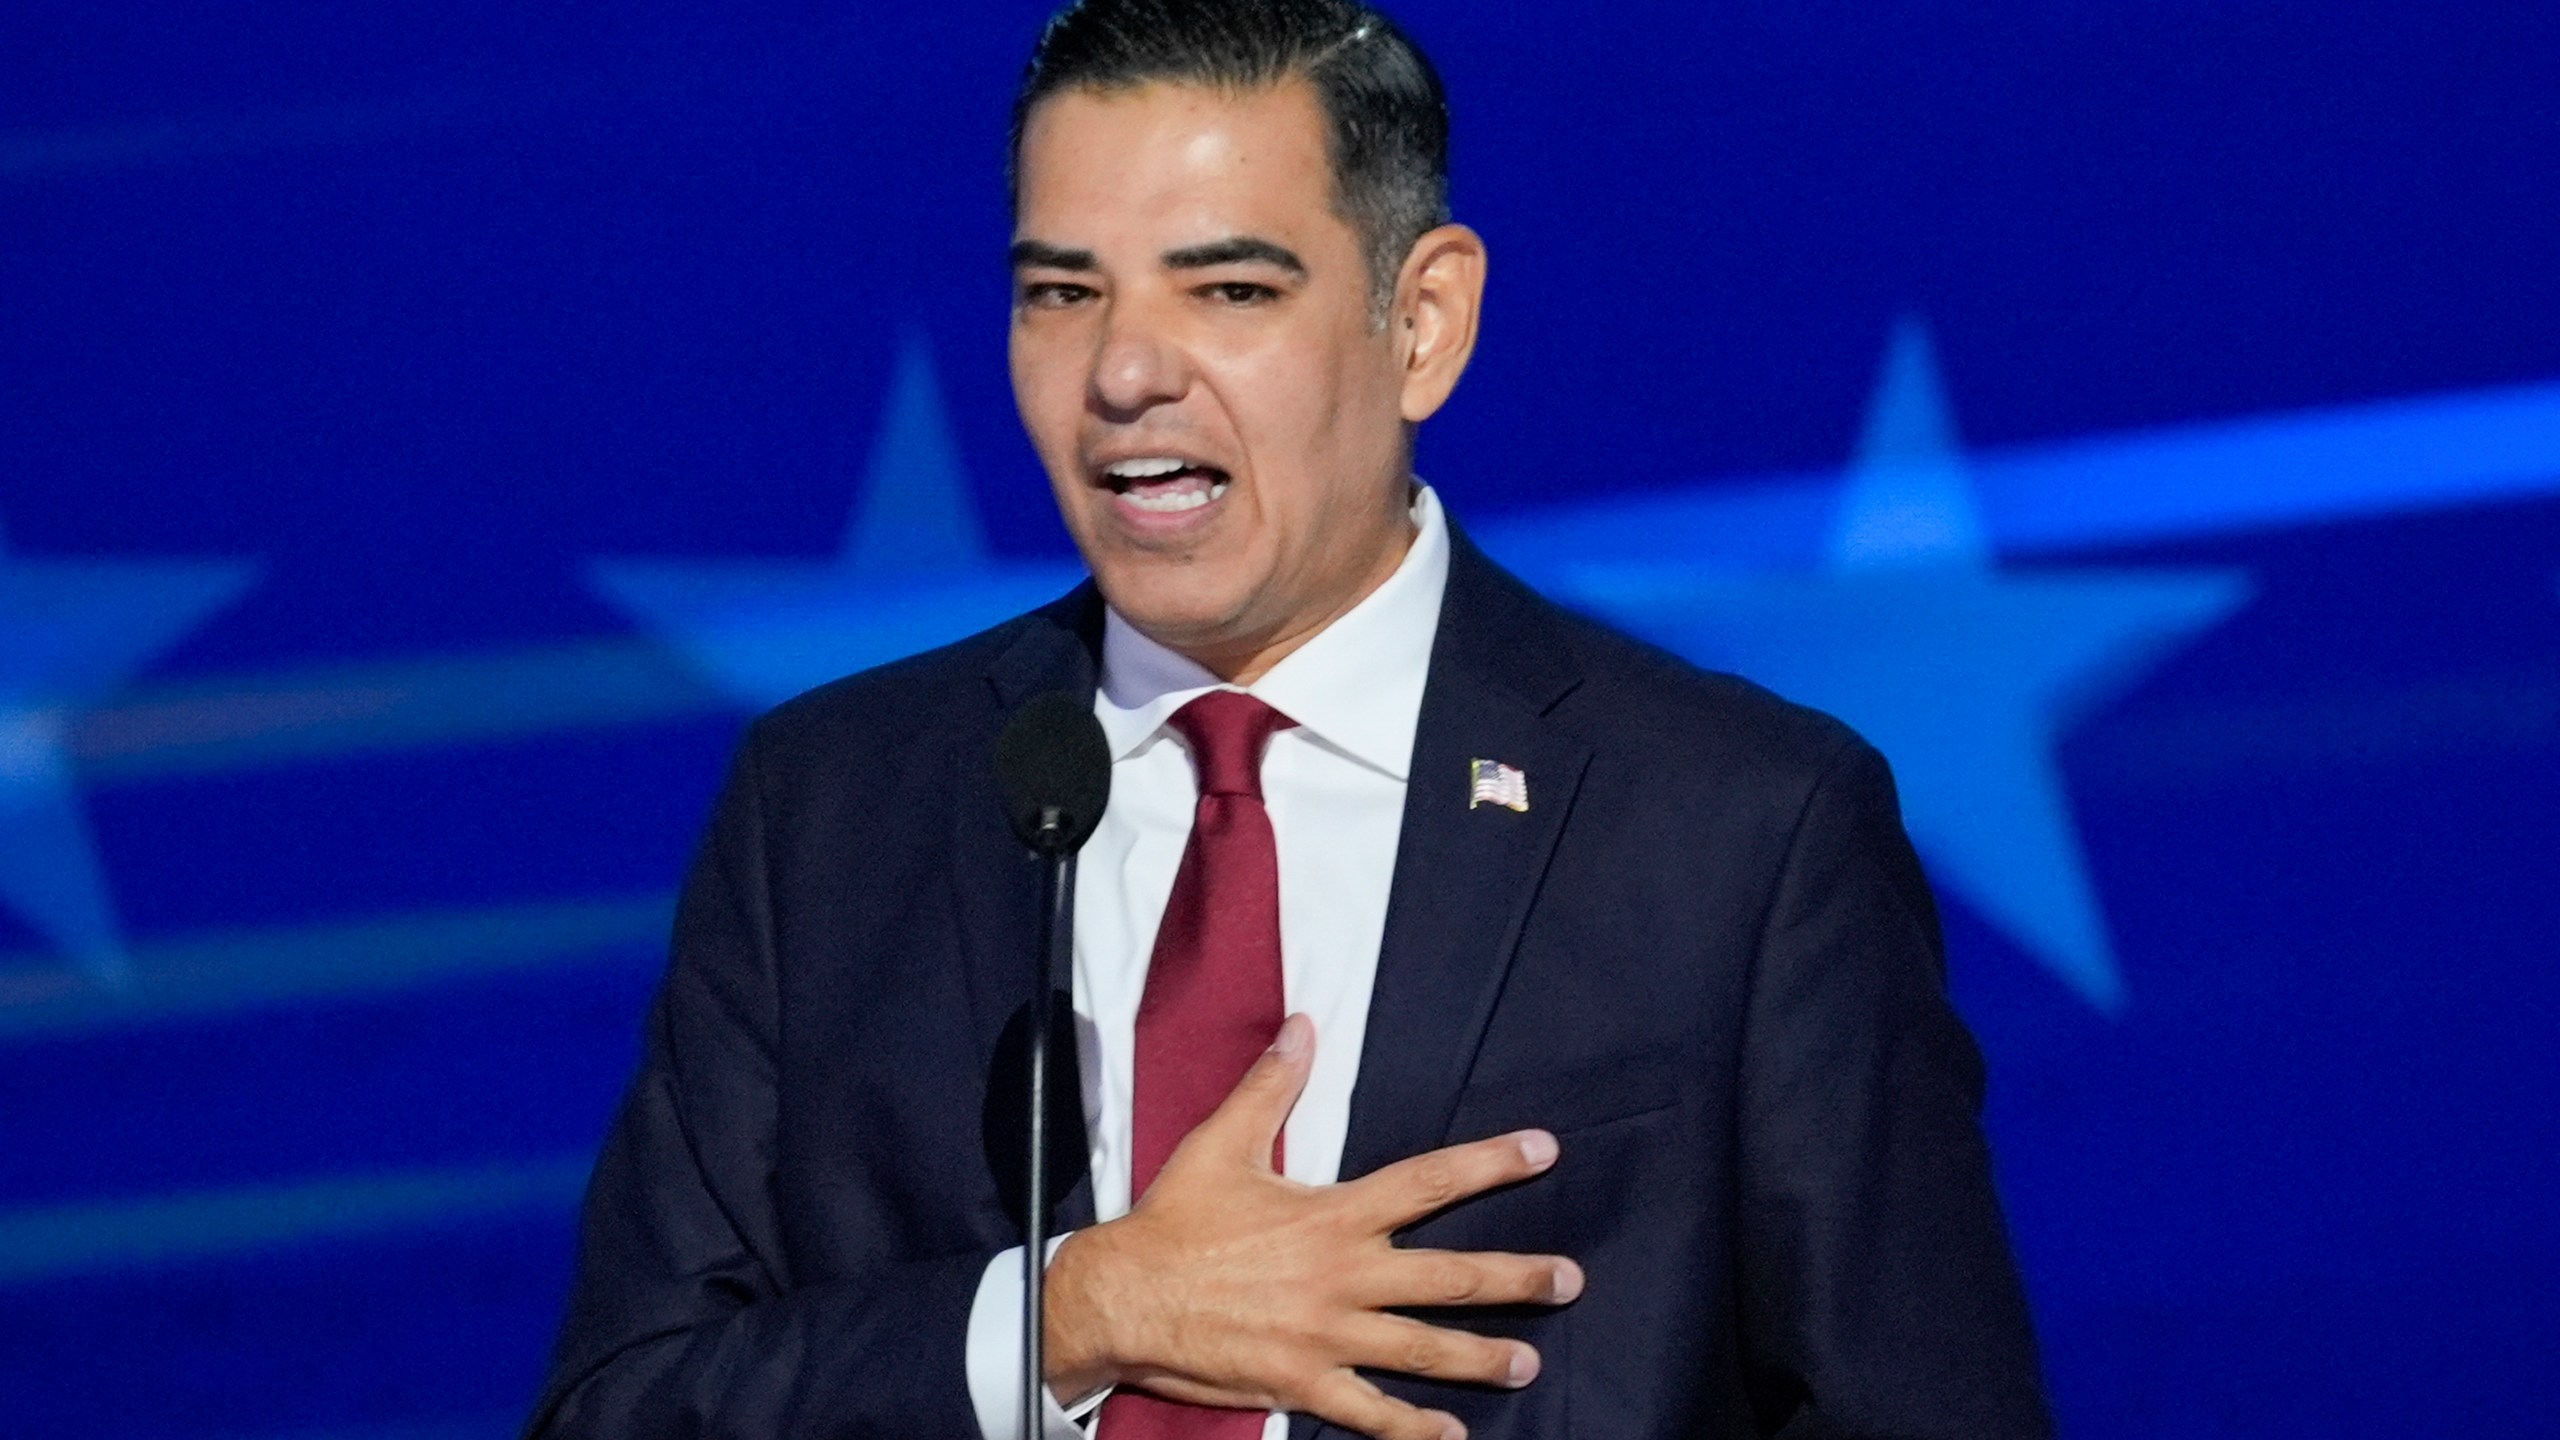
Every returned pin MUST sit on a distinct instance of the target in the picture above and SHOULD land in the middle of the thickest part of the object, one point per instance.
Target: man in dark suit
(1617, 1093)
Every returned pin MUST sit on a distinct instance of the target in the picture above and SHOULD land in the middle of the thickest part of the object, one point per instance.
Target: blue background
(428, 431)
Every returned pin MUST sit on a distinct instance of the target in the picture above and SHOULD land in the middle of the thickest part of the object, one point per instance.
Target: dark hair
(1387, 116)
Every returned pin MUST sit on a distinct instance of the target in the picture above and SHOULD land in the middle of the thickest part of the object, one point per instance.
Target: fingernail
(1538, 1148)
(1291, 1042)
(1524, 1365)
(1568, 1281)
(1453, 1431)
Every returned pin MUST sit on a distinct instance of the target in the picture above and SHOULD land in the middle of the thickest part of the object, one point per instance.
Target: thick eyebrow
(1041, 255)
(1235, 250)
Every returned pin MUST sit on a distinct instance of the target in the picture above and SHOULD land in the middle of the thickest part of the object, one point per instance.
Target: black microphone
(1054, 769)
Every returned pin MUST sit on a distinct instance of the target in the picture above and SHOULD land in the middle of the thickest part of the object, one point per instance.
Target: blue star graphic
(71, 633)
(912, 572)
(1964, 674)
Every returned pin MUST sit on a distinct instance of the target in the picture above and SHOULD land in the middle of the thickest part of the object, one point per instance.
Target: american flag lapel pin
(1490, 782)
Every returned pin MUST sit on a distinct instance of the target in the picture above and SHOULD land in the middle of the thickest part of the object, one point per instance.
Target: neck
(1241, 662)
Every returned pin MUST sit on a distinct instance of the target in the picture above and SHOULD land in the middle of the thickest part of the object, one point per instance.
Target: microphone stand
(1056, 957)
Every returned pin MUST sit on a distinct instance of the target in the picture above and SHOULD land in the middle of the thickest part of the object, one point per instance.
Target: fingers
(1432, 1278)
(1352, 1402)
(1410, 1347)
(1404, 1192)
(1247, 1122)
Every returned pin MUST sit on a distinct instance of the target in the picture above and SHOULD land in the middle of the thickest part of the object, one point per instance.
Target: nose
(1137, 367)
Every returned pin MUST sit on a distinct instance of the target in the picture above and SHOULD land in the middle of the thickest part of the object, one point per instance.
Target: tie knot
(1227, 730)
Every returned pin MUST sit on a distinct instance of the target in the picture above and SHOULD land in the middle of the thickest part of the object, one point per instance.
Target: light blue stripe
(41, 996)
(352, 709)
(46, 1244)
(2383, 458)
(2186, 482)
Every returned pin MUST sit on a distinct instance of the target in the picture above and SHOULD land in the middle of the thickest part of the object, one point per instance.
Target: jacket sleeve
(685, 1319)
(1878, 1295)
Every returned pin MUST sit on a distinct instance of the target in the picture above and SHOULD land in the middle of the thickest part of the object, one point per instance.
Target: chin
(1171, 609)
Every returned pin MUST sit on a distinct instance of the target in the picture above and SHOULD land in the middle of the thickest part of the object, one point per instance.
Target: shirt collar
(1355, 686)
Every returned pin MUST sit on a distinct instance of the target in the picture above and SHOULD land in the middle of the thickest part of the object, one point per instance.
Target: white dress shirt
(1334, 784)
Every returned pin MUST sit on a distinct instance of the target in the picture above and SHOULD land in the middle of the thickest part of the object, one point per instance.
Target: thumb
(1248, 1121)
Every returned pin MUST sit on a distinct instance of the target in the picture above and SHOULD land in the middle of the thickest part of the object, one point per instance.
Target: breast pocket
(1571, 1099)
(1594, 1106)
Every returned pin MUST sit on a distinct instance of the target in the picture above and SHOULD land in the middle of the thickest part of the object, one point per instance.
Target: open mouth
(1165, 484)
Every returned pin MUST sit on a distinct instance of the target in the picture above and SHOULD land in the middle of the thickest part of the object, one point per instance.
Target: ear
(1438, 299)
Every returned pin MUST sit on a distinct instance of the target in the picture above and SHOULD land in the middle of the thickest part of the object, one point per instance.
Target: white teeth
(1165, 484)
(1147, 468)
(1176, 501)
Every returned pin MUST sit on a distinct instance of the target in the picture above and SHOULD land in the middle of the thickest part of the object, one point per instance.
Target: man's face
(1193, 359)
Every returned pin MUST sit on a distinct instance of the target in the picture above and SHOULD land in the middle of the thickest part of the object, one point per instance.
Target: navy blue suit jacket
(1704, 956)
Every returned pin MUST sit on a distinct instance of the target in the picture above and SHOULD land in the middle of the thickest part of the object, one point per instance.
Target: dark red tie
(1213, 1000)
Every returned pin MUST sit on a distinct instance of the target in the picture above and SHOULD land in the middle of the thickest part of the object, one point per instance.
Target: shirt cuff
(995, 1359)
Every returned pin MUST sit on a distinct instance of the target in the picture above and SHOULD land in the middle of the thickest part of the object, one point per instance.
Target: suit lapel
(996, 881)
(1465, 874)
